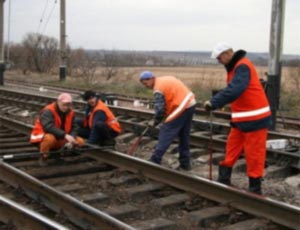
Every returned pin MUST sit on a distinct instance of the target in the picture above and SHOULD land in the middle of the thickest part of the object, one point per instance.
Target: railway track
(134, 121)
(282, 163)
(103, 188)
(286, 122)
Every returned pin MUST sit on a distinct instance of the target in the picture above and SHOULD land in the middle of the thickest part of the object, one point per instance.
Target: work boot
(224, 175)
(255, 185)
(108, 142)
(43, 160)
(154, 159)
(185, 165)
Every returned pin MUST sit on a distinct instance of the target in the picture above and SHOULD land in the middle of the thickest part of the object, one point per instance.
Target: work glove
(208, 106)
(152, 123)
(68, 146)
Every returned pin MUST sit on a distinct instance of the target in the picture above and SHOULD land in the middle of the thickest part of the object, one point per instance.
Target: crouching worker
(55, 127)
(99, 125)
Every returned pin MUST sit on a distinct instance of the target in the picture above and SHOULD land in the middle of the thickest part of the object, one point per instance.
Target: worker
(55, 127)
(174, 105)
(250, 115)
(99, 125)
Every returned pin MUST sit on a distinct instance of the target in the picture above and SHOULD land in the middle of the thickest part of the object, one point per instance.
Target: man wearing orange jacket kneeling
(99, 125)
(55, 127)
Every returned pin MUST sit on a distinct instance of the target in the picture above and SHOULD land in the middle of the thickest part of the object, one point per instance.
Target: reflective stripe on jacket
(38, 132)
(111, 121)
(252, 104)
(177, 96)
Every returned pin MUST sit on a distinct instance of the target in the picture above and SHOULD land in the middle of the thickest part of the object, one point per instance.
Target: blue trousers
(98, 134)
(180, 127)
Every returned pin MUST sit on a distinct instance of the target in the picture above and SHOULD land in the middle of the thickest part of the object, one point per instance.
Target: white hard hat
(220, 48)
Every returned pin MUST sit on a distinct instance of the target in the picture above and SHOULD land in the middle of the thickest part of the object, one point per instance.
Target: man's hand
(208, 106)
(70, 139)
(152, 123)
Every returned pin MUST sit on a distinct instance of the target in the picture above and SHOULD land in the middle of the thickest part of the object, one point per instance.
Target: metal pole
(63, 55)
(2, 62)
(275, 55)
(8, 32)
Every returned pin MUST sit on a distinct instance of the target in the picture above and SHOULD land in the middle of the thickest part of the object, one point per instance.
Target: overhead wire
(42, 17)
(49, 17)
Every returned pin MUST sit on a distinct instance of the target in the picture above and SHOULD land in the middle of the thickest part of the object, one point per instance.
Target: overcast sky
(181, 25)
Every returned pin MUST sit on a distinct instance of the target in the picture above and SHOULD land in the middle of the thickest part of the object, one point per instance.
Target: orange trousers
(254, 146)
(50, 142)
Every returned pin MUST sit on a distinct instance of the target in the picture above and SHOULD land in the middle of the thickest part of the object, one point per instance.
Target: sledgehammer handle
(133, 147)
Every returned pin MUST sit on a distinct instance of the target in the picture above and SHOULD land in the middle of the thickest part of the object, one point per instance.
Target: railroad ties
(102, 187)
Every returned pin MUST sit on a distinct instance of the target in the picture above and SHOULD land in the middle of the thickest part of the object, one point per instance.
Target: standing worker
(99, 124)
(250, 115)
(175, 104)
(55, 127)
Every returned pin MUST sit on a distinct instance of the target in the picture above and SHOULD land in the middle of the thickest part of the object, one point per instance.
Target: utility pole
(2, 62)
(275, 57)
(63, 53)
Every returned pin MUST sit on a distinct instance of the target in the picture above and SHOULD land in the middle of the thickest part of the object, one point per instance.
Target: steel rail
(278, 212)
(77, 212)
(24, 218)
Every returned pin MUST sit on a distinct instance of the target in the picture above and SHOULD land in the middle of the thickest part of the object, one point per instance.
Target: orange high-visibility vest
(111, 121)
(177, 96)
(252, 104)
(38, 132)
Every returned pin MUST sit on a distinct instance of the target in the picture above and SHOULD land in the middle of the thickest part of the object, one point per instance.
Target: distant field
(206, 76)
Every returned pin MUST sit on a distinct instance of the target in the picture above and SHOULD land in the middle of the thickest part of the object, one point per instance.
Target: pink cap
(65, 98)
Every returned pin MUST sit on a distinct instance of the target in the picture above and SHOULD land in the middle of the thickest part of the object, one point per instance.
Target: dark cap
(88, 95)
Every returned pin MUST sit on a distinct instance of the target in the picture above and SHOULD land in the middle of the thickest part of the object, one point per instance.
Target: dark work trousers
(101, 133)
(180, 127)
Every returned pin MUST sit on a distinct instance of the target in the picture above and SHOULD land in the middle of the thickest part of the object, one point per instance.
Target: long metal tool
(134, 146)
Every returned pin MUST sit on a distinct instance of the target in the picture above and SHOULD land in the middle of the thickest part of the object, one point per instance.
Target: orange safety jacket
(111, 121)
(252, 104)
(177, 96)
(38, 132)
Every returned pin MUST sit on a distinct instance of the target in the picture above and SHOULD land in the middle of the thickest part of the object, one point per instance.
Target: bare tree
(84, 64)
(41, 52)
(110, 60)
(17, 59)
